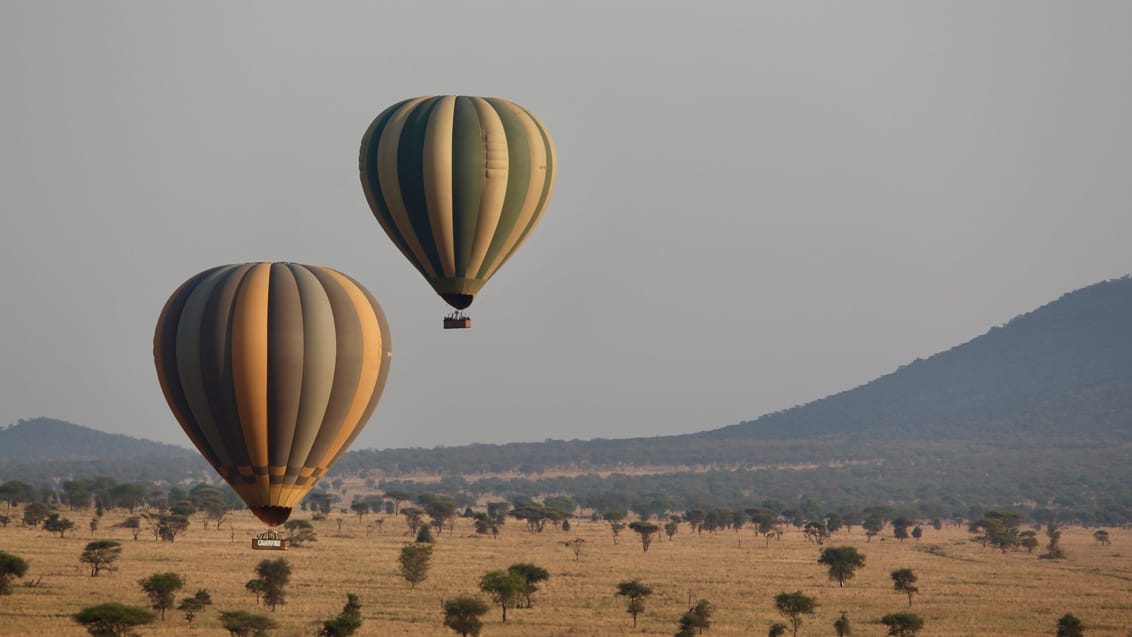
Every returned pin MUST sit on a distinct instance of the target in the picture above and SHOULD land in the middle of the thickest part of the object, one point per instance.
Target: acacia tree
(347, 622)
(462, 614)
(161, 589)
(36, 512)
(873, 524)
(255, 586)
(275, 574)
(575, 545)
(112, 619)
(635, 593)
(1101, 535)
(647, 531)
(902, 624)
(101, 555)
(300, 532)
(531, 576)
(1054, 547)
(240, 623)
(56, 524)
(904, 581)
(504, 587)
(843, 562)
(11, 567)
(841, 625)
(192, 606)
(413, 563)
(793, 606)
(697, 619)
(1069, 626)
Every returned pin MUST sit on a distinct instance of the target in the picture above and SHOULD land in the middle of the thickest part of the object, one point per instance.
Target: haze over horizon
(757, 204)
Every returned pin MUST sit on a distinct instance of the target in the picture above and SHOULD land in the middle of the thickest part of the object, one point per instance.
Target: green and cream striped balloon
(457, 183)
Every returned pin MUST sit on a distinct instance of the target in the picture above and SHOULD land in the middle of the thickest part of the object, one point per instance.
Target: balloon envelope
(272, 369)
(457, 183)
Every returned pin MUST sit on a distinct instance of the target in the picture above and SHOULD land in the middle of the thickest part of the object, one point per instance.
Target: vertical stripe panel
(285, 351)
(527, 158)
(467, 179)
(371, 183)
(191, 347)
(347, 367)
(371, 361)
(386, 359)
(494, 187)
(216, 362)
(165, 360)
(249, 364)
(437, 159)
(319, 349)
(547, 189)
(389, 179)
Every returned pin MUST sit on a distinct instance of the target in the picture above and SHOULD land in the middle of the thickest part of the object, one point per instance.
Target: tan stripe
(391, 185)
(438, 181)
(371, 365)
(537, 181)
(494, 182)
(249, 363)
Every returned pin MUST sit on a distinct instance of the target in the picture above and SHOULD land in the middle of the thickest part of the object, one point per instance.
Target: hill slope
(1071, 355)
(47, 439)
(1058, 376)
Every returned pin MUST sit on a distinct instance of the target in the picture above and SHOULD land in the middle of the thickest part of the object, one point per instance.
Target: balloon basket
(457, 321)
(271, 540)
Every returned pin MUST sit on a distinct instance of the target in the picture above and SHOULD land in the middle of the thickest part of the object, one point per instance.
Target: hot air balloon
(457, 183)
(272, 369)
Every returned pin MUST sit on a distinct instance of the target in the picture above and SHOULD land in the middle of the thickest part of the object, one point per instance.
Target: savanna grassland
(965, 589)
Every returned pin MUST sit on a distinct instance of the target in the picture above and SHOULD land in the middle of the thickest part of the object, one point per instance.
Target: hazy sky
(758, 203)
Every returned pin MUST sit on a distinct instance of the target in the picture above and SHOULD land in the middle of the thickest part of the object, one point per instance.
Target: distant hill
(1065, 364)
(1054, 376)
(1034, 413)
(41, 439)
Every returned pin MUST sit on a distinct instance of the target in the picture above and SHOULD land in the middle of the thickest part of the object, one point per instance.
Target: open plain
(966, 590)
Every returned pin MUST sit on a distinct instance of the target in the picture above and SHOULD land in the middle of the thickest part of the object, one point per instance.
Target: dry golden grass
(966, 590)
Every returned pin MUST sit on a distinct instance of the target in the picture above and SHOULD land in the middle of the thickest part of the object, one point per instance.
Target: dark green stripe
(410, 175)
(546, 184)
(467, 179)
(284, 362)
(372, 184)
(518, 181)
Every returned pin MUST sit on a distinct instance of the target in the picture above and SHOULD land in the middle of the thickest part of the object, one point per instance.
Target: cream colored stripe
(371, 365)
(391, 183)
(249, 364)
(538, 176)
(438, 181)
(494, 182)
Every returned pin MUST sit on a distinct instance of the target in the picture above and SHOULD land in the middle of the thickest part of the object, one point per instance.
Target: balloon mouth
(458, 301)
(272, 515)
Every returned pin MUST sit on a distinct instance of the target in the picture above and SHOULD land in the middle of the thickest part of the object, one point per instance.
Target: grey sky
(758, 204)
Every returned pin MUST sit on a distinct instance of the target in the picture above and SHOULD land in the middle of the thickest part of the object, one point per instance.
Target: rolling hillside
(1034, 413)
(1057, 377)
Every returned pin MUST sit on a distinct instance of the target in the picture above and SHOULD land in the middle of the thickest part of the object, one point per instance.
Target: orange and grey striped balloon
(272, 369)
